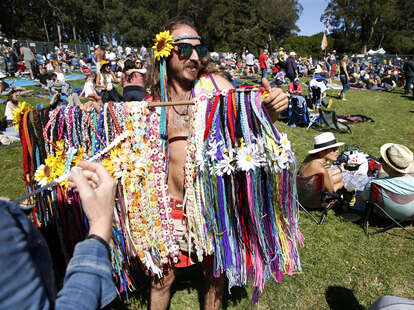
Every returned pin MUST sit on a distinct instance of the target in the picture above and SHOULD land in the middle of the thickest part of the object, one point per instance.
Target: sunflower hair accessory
(162, 49)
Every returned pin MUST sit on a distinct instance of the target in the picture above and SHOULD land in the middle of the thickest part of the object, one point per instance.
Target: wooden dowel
(166, 104)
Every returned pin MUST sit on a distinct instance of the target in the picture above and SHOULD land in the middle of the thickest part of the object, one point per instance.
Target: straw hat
(324, 141)
(398, 157)
(292, 54)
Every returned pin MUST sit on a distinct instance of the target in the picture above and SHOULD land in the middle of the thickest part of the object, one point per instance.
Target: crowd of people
(88, 282)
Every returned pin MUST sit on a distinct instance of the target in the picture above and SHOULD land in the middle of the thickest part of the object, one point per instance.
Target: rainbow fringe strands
(239, 185)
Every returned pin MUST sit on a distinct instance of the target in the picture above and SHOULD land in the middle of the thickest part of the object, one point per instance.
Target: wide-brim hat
(324, 141)
(292, 54)
(2, 75)
(398, 157)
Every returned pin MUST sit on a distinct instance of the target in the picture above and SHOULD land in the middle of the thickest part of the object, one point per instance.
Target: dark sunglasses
(186, 49)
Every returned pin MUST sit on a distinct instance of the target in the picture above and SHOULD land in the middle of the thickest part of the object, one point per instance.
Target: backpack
(298, 112)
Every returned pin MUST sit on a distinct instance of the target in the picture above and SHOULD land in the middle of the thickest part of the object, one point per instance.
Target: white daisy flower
(284, 142)
(247, 159)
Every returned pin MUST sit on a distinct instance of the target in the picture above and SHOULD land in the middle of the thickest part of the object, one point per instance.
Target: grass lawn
(342, 268)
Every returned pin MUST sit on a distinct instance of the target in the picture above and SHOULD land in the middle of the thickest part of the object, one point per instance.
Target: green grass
(342, 268)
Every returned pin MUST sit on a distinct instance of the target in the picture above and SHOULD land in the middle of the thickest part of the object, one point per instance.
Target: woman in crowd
(132, 80)
(344, 76)
(105, 80)
(325, 150)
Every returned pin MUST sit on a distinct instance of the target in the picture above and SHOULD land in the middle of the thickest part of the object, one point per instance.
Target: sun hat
(324, 141)
(398, 157)
(292, 54)
(2, 75)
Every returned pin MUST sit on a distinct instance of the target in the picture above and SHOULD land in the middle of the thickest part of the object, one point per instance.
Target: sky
(309, 21)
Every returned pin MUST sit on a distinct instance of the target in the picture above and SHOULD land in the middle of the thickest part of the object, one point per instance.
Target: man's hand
(276, 102)
(97, 192)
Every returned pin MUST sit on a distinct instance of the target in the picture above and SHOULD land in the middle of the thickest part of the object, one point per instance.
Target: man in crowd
(28, 58)
(249, 64)
(99, 55)
(409, 74)
(292, 67)
(263, 63)
(183, 72)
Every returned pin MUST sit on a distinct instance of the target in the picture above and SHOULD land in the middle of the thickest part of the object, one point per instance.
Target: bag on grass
(328, 121)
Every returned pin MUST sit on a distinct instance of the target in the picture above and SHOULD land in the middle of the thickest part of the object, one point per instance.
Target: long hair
(152, 80)
(128, 65)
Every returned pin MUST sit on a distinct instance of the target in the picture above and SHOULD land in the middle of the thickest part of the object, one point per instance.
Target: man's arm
(275, 103)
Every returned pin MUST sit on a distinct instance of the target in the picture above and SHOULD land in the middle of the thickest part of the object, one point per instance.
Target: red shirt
(295, 89)
(262, 61)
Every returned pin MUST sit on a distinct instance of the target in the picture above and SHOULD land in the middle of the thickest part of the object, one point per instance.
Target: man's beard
(183, 79)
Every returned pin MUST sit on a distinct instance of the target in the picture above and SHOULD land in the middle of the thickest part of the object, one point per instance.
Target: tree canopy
(230, 25)
(224, 25)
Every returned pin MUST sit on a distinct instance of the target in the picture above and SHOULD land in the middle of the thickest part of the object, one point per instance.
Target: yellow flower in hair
(17, 113)
(163, 45)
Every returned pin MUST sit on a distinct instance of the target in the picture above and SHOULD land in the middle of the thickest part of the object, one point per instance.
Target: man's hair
(152, 80)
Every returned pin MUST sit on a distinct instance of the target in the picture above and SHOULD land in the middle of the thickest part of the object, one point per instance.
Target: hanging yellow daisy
(19, 111)
(163, 45)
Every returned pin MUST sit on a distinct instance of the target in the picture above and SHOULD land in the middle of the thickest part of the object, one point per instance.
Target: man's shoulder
(221, 82)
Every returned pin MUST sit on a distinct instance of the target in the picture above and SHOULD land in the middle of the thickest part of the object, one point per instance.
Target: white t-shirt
(321, 85)
(250, 59)
(60, 77)
(88, 88)
(8, 112)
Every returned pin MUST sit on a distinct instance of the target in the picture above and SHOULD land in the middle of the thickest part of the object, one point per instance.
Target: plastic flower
(227, 164)
(42, 175)
(17, 113)
(284, 142)
(247, 159)
(162, 47)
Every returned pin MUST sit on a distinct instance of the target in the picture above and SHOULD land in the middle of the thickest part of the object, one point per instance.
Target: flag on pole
(324, 43)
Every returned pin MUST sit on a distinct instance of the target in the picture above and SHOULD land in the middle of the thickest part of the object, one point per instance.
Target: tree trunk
(74, 32)
(46, 32)
(109, 37)
(59, 34)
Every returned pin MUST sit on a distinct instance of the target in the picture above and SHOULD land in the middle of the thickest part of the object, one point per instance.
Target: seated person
(397, 161)
(11, 104)
(295, 87)
(325, 149)
(43, 77)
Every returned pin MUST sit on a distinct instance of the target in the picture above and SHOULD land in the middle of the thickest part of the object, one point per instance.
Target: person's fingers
(81, 183)
(91, 176)
(98, 169)
(266, 84)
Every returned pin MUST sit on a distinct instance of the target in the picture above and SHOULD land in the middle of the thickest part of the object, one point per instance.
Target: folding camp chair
(312, 196)
(398, 208)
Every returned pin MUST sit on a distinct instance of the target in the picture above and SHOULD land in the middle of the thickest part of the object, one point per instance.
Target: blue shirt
(26, 276)
(398, 185)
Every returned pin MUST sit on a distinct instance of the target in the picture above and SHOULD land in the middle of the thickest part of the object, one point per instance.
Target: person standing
(344, 76)
(292, 67)
(28, 59)
(409, 74)
(99, 56)
(186, 65)
(263, 63)
(249, 64)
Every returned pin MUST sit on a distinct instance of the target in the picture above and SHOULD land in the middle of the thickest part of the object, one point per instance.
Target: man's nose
(194, 55)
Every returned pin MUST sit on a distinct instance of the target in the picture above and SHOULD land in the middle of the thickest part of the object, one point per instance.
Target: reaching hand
(276, 102)
(97, 192)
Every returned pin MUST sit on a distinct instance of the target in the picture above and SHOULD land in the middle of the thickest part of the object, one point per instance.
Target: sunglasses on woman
(186, 49)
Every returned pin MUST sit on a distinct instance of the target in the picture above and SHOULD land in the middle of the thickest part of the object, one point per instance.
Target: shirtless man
(99, 55)
(183, 72)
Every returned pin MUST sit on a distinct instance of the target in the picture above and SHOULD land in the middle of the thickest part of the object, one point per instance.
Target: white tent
(380, 51)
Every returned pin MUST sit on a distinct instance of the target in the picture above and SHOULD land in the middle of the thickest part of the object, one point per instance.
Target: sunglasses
(186, 49)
